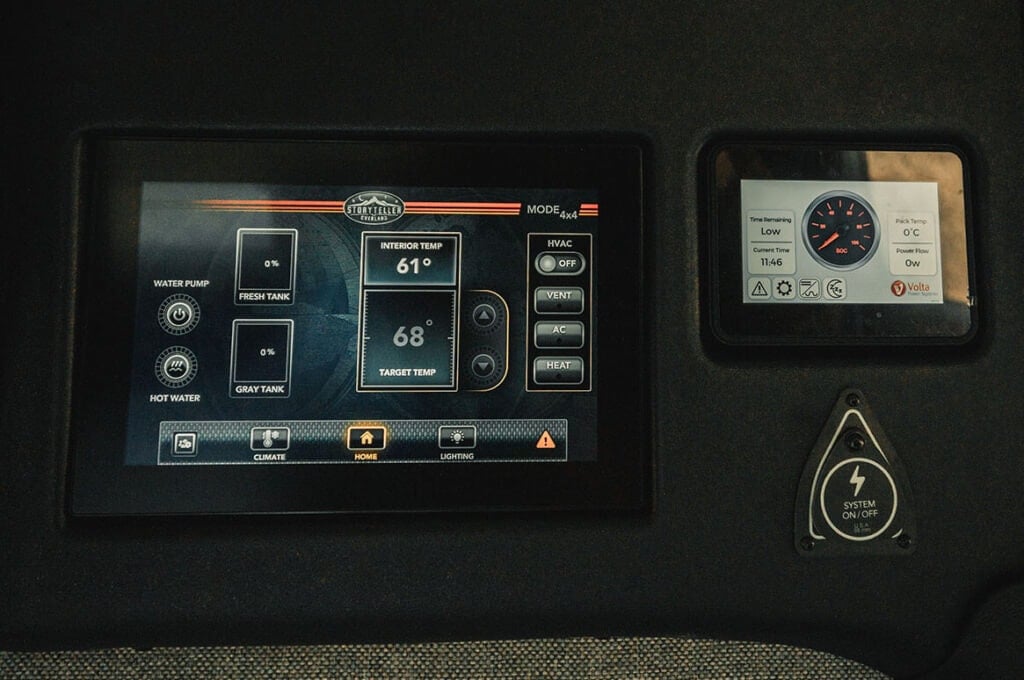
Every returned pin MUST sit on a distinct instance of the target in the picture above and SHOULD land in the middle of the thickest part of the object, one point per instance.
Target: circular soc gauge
(840, 230)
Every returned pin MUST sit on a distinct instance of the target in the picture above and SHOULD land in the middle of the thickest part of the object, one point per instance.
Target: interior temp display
(281, 324)
(841, 242)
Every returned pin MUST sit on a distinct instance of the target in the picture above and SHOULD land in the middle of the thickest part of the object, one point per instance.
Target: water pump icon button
(178, 314)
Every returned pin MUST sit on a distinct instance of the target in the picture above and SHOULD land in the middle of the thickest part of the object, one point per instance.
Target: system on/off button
(858, 499)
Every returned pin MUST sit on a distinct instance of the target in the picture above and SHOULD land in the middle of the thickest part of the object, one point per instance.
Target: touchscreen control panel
(295, 326)
(282, 324)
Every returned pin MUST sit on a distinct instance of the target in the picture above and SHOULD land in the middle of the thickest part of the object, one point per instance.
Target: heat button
(558, 371)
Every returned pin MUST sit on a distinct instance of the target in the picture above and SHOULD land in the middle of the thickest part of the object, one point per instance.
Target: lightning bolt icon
(857, 480)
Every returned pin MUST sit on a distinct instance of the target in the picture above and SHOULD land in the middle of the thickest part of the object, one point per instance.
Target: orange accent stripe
(412, 207)
(268, 202)
(444, 209)
(461, 204)
(588, 206)
(281, 210)
(461, 212)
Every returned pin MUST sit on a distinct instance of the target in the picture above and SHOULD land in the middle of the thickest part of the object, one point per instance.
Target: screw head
(807, 543)
(855, 440)
(853, 399)
(903, 541)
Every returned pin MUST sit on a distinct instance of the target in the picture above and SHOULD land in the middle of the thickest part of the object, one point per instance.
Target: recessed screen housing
(276, 327)
(831, 244)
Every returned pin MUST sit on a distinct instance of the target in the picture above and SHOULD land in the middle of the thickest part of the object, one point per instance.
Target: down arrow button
(483, 366)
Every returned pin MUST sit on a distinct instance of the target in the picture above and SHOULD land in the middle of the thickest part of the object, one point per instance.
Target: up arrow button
(484, 316)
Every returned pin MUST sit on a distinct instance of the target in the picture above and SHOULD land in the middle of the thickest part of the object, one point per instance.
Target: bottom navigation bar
(250, 442)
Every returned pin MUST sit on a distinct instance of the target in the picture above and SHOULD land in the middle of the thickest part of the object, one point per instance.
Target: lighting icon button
(456, 436)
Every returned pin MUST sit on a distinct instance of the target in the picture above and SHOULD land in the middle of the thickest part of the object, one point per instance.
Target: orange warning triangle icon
(545, 441)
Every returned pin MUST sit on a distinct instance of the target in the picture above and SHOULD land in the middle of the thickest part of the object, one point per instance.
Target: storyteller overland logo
(374, 207)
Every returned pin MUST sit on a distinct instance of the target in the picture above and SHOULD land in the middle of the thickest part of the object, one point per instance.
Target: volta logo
(898, 288)
(374, 207)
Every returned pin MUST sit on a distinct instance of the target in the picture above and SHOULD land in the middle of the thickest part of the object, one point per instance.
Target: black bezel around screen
(114, 170)
(734, 322)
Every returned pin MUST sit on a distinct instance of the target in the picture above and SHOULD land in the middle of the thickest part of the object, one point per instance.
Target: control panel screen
(316, 326)
(809, 242)
(285, 324)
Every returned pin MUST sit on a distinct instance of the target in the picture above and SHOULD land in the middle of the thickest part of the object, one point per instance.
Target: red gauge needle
(831, 238)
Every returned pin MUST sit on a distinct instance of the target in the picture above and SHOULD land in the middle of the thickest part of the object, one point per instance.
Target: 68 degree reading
(414, 337)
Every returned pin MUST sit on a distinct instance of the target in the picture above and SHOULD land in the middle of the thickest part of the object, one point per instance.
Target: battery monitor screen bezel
(830, 170)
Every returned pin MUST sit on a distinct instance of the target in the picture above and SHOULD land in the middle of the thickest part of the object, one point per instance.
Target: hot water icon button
(176, 367)
(271, 438)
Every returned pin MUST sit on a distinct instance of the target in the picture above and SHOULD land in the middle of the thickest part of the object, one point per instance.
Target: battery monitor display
(823, 244)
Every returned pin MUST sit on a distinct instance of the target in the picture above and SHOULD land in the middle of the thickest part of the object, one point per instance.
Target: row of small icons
(785, 288)
(357, 438)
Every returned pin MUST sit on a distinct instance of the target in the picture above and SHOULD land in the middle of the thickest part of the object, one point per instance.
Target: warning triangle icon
(545, 441)
(759, 290)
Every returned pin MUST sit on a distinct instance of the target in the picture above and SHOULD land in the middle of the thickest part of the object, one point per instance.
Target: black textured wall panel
(731, 430)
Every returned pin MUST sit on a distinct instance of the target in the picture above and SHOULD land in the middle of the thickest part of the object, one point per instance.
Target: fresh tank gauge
(840, 230)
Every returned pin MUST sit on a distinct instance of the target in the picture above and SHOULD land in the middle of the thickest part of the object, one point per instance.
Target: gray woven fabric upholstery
(614, 658)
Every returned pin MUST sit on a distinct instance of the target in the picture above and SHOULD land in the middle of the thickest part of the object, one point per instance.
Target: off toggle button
(859, 499)
(560, 263)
